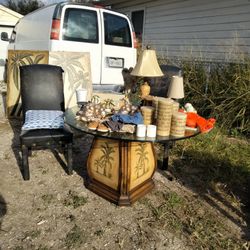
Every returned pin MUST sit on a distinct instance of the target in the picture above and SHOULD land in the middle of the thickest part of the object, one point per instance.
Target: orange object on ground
(194, 120)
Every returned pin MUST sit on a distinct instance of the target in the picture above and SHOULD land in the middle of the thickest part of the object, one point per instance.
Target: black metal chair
(42, 90)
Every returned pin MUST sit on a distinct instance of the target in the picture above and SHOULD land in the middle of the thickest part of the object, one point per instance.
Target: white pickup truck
(106, 34)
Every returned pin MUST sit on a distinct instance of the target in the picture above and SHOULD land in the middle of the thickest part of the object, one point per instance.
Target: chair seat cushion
(43, 119)
(41, 137)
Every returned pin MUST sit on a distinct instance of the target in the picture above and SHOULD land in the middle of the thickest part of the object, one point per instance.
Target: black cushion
(41, 87)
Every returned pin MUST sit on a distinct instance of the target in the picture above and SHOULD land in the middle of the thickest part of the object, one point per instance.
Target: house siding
(209, 30)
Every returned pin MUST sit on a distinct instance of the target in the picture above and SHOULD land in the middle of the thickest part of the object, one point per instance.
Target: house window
(138, 20)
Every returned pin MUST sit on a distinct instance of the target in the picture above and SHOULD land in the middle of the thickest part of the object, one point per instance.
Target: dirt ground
(56, 211)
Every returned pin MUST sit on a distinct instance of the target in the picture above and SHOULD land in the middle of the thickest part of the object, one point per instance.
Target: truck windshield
(80, 25)
(117, 31)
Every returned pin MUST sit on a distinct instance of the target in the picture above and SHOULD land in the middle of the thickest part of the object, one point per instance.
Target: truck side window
(117, 31)
(80, 25)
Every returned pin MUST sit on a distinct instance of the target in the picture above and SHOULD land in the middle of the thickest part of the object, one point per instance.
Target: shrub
(220, 90)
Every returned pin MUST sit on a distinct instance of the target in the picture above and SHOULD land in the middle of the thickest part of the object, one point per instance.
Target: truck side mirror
(4, 36)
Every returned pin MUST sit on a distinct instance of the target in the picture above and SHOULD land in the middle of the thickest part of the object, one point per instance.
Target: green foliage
(24, 6)
(220, 90)
(216, 159)
(134, 95)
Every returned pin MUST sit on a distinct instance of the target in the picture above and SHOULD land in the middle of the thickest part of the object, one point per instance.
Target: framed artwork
(15, 59)
(77, 73)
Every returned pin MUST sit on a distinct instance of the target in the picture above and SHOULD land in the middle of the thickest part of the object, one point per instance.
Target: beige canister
(148, 114)
(176, 106)
(164, 114)
(155, 104)
(178, 124)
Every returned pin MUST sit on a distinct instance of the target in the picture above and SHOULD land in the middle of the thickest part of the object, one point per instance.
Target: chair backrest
(159, 86)
(41, 87)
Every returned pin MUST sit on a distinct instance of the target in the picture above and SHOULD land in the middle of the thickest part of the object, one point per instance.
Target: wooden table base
(121, 171)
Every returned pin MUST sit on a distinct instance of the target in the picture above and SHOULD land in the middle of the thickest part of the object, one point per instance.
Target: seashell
(124, 112)
(103, 113)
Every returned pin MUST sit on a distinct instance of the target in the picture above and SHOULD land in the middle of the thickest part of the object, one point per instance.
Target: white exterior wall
(210, 30)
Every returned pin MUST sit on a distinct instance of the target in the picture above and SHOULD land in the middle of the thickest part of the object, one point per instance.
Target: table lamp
(147, 66)
(176, 89)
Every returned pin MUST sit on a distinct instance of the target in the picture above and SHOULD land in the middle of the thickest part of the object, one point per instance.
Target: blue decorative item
(136, 118)
(43, 119)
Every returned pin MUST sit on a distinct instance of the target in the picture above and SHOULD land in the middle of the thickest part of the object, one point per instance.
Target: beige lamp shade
(176, 89)
(147, 65)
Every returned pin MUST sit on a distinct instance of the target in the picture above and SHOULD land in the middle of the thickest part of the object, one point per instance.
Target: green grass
(75, 237)
(189, 218)
(217, 169)
(215, 158)
(48, 198)
(74, 200)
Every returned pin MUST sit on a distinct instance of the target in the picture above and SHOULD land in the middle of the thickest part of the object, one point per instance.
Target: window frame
(129, 44)
(72, 39)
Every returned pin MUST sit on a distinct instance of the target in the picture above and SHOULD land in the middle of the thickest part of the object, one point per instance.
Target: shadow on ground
(207, 182)
(3, 210)
(81, 147)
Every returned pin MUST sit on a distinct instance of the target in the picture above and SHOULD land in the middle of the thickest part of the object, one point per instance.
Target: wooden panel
(15, 59)
(77, 73)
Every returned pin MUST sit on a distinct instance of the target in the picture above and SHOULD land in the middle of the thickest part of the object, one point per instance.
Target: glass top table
(70, 119)
(120, 166)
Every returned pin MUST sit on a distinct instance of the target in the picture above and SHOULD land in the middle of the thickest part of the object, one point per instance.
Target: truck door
(82, 33)
(118, 51)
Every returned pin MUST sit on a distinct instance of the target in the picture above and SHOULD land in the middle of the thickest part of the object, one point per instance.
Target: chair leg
(25, 163)
(69, 159)
(29, 152)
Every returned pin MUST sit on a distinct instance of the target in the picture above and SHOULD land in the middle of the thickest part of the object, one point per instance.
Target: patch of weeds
(145, 201)
(99, 232)
(48, 198)
(6, 156)
(32, 234)
(173, 200)
(74, 200)
(209, 232)
(71, 218)
(75, 237)
(40, 247)
(45, 171)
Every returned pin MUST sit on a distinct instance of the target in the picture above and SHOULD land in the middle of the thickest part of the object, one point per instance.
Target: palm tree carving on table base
(141, 167)
(104, 163)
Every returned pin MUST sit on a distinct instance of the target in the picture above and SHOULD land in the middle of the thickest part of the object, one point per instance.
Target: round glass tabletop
(70, 119)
